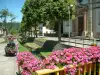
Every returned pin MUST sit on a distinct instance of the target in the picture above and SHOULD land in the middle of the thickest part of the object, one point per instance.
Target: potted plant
(10, 48)
(94, 43)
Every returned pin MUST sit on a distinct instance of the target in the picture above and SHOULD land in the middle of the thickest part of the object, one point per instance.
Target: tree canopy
(39, 11)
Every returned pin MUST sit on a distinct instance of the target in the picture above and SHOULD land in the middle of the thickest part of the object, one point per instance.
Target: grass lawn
(41, 39)
(45, 50)
(45, 53)
(22, 48)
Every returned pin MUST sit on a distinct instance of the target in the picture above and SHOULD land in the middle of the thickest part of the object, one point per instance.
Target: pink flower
(64, 58)
(24, 72)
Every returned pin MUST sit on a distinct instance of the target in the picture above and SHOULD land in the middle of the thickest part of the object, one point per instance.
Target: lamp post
(69, 7)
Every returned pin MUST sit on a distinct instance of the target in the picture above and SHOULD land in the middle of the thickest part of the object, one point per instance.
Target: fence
(80, 42)
(88, 68)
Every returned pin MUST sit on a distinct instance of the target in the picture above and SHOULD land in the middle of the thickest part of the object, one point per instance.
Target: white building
(43, 30)
(66, 27)
(87, 22)
(96, 17)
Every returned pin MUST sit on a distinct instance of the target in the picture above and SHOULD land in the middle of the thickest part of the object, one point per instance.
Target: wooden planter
(88, 67)
(93, 45)
(57, 71)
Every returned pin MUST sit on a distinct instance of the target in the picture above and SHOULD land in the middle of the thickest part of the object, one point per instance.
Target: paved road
(7, 64)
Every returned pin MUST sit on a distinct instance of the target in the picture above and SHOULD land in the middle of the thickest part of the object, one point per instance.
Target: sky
(14, 6)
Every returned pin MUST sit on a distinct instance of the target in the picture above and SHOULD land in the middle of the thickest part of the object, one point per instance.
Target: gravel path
(7, 64)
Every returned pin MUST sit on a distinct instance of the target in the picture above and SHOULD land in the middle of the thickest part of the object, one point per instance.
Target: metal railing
(81, 42)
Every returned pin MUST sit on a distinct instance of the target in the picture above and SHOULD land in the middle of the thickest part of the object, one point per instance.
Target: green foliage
(18, 73)
(4, 14)
(41, 11)
(22, 48)
(37, 11)
(23, 39)
(32, 15)
(13, 27)
(13, 32)
(58, 9)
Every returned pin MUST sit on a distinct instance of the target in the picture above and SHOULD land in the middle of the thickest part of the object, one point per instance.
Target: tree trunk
(59, 30)
(31, 32)
(25, 33)
(6, 32)
(5, 23)
(28, 33)
(35, 31)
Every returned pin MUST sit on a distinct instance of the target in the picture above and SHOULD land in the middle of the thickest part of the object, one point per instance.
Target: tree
(13, 17)
(37, 11)
(57, 10)
(4, 14)
(33, 12)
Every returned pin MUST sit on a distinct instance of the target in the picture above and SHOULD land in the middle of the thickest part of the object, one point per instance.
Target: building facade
(87, 22)
(96, 18)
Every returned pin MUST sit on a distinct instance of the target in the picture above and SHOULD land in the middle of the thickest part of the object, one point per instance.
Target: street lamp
(69, 7)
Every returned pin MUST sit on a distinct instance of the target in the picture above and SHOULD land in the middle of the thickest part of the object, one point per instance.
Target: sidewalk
(7, 64)
(1, 39)
(74, 42)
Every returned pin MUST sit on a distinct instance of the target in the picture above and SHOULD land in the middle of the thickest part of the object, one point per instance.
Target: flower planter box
(11, 53)
(88, 67)
(10, 49)
(72, 60)
(57, 71)
(93, 45)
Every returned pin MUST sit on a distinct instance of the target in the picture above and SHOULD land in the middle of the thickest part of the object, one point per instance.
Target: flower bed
(59, 59)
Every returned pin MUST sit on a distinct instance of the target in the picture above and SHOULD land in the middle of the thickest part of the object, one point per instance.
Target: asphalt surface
(7, 64)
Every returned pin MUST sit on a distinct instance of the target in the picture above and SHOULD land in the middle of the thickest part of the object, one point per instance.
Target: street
(7, 64)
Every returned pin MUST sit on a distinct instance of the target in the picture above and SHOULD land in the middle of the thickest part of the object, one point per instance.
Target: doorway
(80, 25)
